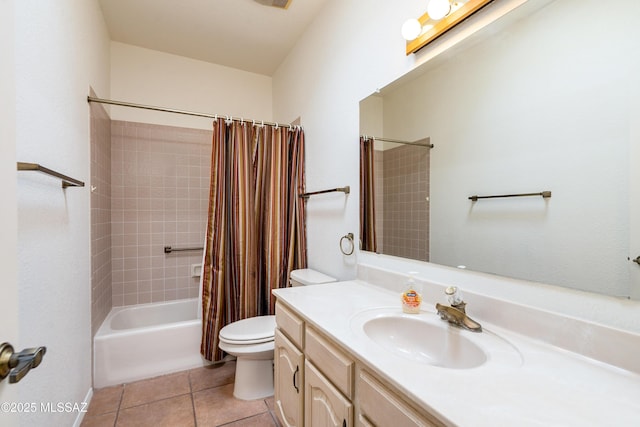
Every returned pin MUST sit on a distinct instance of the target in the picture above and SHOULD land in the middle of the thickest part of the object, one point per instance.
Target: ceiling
(242, 34)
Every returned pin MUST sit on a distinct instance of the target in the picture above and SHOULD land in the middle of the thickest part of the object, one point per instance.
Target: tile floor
(200, 397)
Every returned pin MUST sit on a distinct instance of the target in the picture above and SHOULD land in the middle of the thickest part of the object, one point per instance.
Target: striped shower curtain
(367, 196)
(256, 223)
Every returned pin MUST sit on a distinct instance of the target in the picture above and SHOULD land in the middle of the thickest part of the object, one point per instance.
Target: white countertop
(546, 386)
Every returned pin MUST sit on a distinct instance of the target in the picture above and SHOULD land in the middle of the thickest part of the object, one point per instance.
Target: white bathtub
(144, 341)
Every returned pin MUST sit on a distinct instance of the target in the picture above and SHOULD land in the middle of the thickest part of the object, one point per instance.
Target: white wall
(62, 48)
(371, 120)
(8, 214)
(149, 77)
(323, 79)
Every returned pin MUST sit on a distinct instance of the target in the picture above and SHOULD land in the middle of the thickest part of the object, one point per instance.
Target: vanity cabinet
(288, 365)
(334, 363)
(328, 382)
(316, 383)
(313, 377)
(288, 381)
(324, 405)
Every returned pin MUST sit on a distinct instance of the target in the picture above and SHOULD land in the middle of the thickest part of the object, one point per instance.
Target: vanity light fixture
(441, 16)
(438, 9)
(411, 29)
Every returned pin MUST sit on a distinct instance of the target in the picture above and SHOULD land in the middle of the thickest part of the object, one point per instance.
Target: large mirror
(549, 102)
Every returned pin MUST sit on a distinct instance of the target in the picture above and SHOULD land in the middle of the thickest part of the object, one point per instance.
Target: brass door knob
(6, 351)
(17, 365)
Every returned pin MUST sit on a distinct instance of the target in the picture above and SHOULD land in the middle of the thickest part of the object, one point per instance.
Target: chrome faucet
(456, 314)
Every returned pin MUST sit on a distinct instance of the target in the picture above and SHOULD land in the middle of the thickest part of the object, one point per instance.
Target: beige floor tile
(262, 420)
(173, 412)
(104, 420)
(270, 401)
(158, 388)
(105, 400)
(212, 376)
(215, 406)
(275, 419)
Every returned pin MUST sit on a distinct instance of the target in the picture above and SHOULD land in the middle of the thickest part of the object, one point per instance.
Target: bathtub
(144, 341)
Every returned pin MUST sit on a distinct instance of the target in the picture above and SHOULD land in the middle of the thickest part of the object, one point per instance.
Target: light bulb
(438, 9)
(411, 29)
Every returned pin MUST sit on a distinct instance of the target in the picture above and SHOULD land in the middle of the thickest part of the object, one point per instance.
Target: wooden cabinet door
(325, 406)
(288, 382)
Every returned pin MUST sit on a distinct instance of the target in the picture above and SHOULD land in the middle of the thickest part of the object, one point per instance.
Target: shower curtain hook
(276, 126)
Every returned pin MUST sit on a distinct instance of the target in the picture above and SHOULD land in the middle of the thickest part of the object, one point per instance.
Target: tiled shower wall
(100, 215)
(406, 205)
(160, 188)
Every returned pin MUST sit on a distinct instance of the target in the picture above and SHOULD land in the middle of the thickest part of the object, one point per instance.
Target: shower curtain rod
(188, 113)
(398, 141)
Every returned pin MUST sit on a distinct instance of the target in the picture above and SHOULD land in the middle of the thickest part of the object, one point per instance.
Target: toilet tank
(307, 276)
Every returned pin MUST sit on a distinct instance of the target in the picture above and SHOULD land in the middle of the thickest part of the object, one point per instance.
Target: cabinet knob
(17, 365)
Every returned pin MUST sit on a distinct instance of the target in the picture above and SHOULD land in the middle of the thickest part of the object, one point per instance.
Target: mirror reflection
(545, 103)
(394, 197)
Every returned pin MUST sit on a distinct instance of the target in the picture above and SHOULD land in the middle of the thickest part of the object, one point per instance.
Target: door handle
(17, 365)
(637, 260)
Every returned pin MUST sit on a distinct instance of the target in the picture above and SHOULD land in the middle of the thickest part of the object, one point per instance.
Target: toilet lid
(253, 330)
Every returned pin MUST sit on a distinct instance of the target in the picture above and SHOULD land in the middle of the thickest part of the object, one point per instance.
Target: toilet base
(254, 379)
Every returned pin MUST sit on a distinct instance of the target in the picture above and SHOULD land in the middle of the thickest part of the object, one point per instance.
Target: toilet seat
(253, 330)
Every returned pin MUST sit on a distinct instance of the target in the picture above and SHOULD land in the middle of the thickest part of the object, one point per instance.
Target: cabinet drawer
(290, 324)
(380, 407)
(333, 362)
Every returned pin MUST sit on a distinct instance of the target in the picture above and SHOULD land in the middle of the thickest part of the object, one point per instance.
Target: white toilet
(251, 342)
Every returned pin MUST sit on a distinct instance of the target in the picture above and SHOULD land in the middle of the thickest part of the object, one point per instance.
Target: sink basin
(424, 342)
(425, 339)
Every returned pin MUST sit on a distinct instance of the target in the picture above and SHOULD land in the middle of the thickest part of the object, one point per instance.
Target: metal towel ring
(349, 237)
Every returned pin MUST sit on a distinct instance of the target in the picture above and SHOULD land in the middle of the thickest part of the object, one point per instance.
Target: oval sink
(421, 341)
